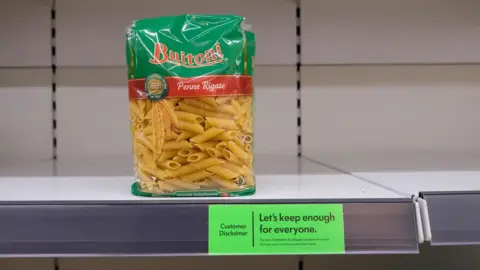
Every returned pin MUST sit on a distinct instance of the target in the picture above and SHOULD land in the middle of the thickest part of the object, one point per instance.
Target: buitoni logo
(162, 54)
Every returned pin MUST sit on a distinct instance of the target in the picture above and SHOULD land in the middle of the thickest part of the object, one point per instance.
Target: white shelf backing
(25, 34)
(25, 115)
(92, 111)
(389, 32)
(390, 110)
(103, 27)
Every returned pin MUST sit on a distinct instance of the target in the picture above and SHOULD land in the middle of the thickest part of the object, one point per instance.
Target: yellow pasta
(214, 152)
(142, 104)
(248, 176)
(186, 135)
(220, 115)
(180, 159)
(239, 141)
(191, 127)
(148, 130)
(173, 101)
(168, 109)
(197, 157)
(210, 148)
(176, 145)
(171, 136)
(167, 155)
(179, 184)
(181, 171)
(208, 100)
(221, 145)
(207, 135)
(187, 152)
(209, 162)
(238, 107)
(147, 156)
(223, 172)
(199, 104)
(145, 142)
(199, 111)
(145, 177)
(160, 174)
(149, 114)
(170, 164)
(137, 111)
(191, 109)
(232, 157)
(167, 186)
(235, 149)
(233, 167)
(198, 175)
(190, 117)
(224, 183)
(196, 128)
(206, 183)
(205, 145)
(226, 135)
(221, 123)
(222, 100)
(226, 109)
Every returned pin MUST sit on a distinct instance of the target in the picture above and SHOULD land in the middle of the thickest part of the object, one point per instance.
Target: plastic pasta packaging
(191, 108)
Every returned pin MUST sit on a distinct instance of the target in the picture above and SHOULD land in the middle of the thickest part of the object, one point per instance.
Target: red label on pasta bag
(216, 85)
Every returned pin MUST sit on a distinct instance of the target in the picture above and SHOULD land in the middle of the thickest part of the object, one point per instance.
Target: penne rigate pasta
(232, 158)
(196, 176)
(171, 136)
(171, 145)
(223, 172)
(191, 123)
(228, 135)
(197, 157)
(205, 145)
(186, 152)
(221, 123)
(221, 145)
(214, 152)
(207, 135)
(222, 100)
(189, 117)
(185, 135)
(180, 159)
(224, 183)
(170, 164)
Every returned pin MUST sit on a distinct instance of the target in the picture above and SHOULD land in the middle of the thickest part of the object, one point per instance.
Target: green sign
(276, 229)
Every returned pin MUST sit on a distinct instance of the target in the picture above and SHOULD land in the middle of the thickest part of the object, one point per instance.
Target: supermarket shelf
(91, 215)
(448, 186)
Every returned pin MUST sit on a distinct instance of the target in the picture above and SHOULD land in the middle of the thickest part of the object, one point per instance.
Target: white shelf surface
(410, 174)
(95, 193)
(109, 179)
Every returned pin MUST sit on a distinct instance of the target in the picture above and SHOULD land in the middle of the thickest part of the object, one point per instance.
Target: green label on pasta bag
(189, 45)
(276, 229)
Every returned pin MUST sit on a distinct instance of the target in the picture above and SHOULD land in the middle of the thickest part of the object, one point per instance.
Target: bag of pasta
(191, 109)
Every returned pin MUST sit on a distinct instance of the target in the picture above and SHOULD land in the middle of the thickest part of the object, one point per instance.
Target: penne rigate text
(191, 106)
